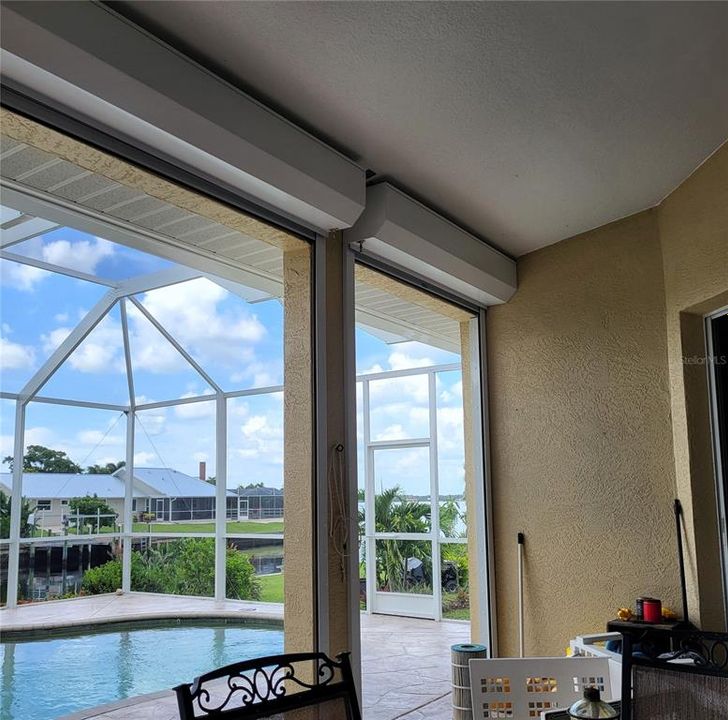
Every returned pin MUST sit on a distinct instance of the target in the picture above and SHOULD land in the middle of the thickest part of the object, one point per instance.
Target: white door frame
(721, 500)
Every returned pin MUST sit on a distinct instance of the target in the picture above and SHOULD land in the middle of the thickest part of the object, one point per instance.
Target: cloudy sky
(240, 345)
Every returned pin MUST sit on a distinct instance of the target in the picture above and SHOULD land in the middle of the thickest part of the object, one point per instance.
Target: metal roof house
(167, 494)
(260, 503)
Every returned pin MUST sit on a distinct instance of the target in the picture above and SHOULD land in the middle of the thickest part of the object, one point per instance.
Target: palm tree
(393, 512)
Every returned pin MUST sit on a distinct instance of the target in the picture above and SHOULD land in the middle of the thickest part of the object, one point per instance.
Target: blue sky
(239, 344)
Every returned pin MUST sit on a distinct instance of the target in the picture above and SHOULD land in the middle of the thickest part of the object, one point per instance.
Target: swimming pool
(46, 678)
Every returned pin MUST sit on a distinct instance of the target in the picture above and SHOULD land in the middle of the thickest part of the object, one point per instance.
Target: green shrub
(458, 555)
(105, 578)
(178, 567)
(91, 505)
(241, 580)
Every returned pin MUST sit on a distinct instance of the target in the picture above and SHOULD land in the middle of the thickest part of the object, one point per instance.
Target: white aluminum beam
(62, 352)
(255, 391)
(127, 355)
(178, 401)
(71, 403)
(59, 269)
(176, 345)
(450, 367)
(434, 499)
(16, 498)
(99, 66)
(398, 444)
(24, 231)
(220, 495)
(370, 547)
(126, 548)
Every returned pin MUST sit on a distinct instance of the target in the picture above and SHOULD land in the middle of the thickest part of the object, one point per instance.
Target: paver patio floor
(405, 662)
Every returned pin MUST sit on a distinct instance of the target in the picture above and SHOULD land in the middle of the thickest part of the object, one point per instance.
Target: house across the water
(167, 495)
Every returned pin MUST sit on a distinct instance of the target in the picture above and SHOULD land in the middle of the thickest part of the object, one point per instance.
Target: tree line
(40, 459)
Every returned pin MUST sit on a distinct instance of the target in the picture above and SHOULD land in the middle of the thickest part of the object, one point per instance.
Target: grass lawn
(271, 588)
(459, 614)
(451, 607)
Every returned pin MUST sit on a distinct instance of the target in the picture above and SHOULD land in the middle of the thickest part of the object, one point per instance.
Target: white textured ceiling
(524, 122)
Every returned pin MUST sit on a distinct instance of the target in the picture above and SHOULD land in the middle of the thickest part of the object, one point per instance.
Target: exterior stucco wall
(693, 224)
(298, 538)
(581, 439)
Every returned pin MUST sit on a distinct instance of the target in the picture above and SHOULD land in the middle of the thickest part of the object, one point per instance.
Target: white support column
(16, 498)
(434, 499)
(476, 483)
(220, 495)
(128, 499)
(129, 464)
(369, 500)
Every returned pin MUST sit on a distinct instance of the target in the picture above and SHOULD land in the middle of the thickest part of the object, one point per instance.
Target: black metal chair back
(272, 687)
(673, 673)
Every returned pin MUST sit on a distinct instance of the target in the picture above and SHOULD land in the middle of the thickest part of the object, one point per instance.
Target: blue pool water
(43, 679)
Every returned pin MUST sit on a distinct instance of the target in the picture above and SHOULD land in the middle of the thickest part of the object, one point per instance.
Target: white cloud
(83, 255)
(95, 357)
(142, 459)
(61, 318)
(454, 394)
(255, 448)
(39, 435)
(22, 277)
(50, 341)
(15, 356)
(192, 313)
(195, 410)
(260, 374)
(96, 437)
(152, 422)
(401, 360)
(100, 352)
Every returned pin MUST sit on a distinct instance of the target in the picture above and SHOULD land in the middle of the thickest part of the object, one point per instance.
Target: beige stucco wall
(581, 436)
(598, 422)
(693, 223)
(298, 538)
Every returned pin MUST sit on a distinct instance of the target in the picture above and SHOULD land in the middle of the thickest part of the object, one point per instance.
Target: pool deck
(405, 662)
(104, 609)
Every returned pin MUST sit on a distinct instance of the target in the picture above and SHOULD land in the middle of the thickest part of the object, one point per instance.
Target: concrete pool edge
(108, 612)
(94, 712)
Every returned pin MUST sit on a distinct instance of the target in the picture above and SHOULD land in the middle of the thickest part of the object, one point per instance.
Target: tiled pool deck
(405, 662)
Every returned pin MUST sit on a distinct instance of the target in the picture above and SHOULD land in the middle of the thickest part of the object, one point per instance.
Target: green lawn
(460, 614)
(455, 606)
(271, 588)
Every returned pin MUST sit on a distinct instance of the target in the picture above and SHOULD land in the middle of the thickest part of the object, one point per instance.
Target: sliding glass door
(421, 485)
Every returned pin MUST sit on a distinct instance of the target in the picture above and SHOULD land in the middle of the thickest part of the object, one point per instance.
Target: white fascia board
(398, 229)
(86, 57)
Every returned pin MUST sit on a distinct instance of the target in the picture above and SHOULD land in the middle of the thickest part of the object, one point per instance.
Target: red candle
(652, 610)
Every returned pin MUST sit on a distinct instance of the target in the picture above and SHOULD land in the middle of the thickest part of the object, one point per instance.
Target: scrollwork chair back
(273, 686)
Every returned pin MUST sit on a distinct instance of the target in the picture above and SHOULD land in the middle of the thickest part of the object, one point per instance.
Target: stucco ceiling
(524, 122)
